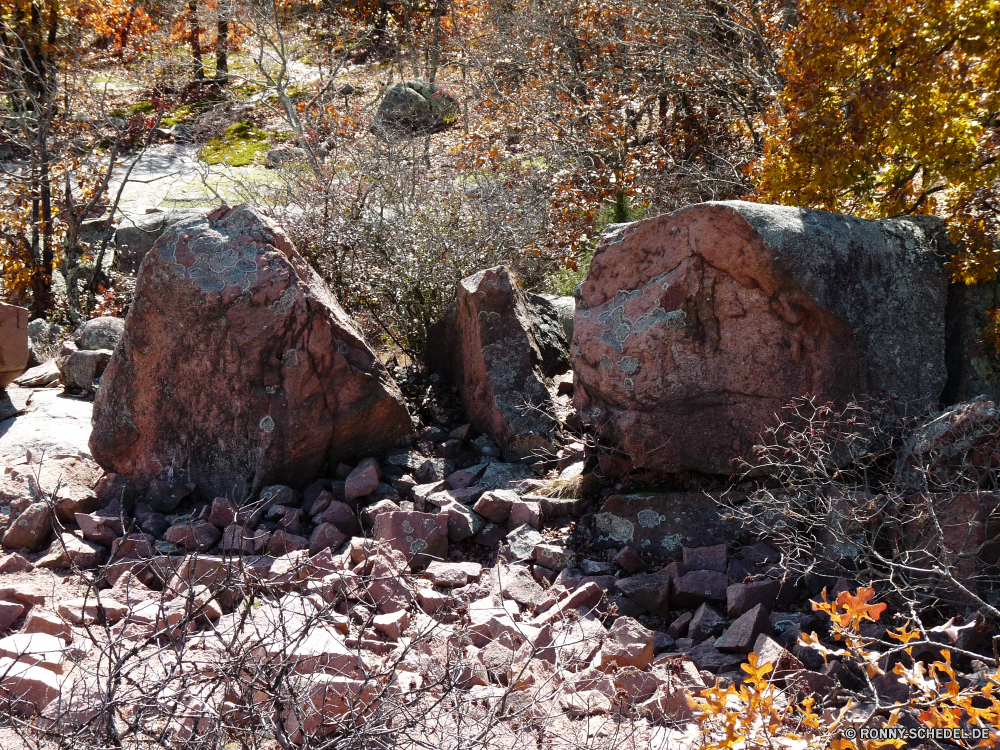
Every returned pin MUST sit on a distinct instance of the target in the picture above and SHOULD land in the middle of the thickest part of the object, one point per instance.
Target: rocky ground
(226, 519)
(425, 592)
(230, 594)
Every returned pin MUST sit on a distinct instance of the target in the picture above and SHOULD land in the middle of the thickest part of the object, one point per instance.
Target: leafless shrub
(225, 651)
(862, 491)
(393, 236)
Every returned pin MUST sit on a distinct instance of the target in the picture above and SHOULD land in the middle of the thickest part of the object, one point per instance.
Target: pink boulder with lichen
(694, 329)
(238, 369)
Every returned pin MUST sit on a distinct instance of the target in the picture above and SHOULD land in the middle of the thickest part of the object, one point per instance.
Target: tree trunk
(48, 257)
(39, 75)
(124, 35)
(222, 42)
(435, 52)
(195, 36)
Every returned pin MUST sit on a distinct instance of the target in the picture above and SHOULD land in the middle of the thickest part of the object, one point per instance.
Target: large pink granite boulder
(238, 369)
(694, 329)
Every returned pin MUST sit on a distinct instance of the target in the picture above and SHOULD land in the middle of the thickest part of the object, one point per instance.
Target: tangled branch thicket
(393, 239)
(177, 672)
(868, 492)
(566, 112)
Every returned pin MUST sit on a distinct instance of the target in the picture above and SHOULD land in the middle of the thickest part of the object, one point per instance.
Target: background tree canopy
(891, 108)
(568, 116)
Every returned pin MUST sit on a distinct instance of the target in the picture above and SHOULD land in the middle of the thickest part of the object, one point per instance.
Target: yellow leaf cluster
(760, 714)
(891, 108)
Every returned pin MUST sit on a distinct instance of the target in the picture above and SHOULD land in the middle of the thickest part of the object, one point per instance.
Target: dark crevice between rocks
(972, 364)
(954, 345)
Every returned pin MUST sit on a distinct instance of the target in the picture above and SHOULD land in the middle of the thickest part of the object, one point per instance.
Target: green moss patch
(178, 115)
(241, 144)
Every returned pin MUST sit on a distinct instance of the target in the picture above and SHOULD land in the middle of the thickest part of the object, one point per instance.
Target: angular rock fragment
(679, 627)
(325, 536)
(584, 703)
(705, 623)
(102, 527)
(496, 358)
(560, 507)
(434, 470)
(554, 556)
(67, 480)
(496, 505)
(281, 543)
(452, 574)
(133, 547)
(393, 624)
(698, 586)
(651, 591)
(341, 516)
(628, 644)
(524, 513)
(370, 513)
(70, 550)
(81, 370)
(629, 559)
(705, 558)
(9, 612)
(166, 497)
(45, 375)
(421, 537)
(198, 536)
(90, 610)
(238, 539)
(634, 685)
(517, 583)
(742, 634)
(741, 597)
(48, 623)
(770, 652)
(465, 477)
(660, 524)
(573, 643)
(586, 596)
(15, 563)
(490, 535)
(26, 689)
(37, 649)
(223, 513)
(31, 528)
(363, 480)
(522, 542)
(711, 659)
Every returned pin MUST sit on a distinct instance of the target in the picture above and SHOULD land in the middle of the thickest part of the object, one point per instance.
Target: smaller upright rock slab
(13, 342)
(496, 357)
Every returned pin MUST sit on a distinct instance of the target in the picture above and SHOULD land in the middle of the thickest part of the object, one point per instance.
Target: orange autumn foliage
(892, 108)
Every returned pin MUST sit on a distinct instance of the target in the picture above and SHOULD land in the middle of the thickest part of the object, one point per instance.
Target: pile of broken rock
(362, 626)
(366, 622)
